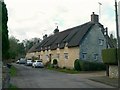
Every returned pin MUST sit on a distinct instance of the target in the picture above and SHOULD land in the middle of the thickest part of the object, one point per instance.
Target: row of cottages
(84, 42)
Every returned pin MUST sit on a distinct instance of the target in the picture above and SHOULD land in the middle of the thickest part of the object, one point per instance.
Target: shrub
(64, 67)
(109, 56)
(91, 66)
(55, 62)
(77, 65)
(81, 65)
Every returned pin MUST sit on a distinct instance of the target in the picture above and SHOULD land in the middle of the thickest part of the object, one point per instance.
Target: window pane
(66, 55)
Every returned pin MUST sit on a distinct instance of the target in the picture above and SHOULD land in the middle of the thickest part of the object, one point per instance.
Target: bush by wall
(81, 65)
(109, 56)
(91, 66)
(77, 65)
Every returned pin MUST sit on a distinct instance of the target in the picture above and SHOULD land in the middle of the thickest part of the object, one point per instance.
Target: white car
(17, 61)
(22, 61)
(37, 63)
(29, 62)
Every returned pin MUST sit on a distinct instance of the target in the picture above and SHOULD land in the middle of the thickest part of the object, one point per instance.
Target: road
(28, 77)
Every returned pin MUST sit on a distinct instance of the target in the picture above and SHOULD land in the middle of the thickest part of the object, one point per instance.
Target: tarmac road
(28, 77)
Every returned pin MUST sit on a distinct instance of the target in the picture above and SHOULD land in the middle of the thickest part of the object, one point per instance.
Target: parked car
(37, 63)
(22, 61)
(17, 62)
(29, 62)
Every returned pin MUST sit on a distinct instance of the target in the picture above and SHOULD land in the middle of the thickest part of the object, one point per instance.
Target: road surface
(28, 77)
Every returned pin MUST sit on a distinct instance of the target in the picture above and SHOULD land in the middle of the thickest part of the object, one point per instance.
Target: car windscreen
(39, 61)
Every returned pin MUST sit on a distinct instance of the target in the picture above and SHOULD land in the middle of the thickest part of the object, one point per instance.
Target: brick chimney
(56, 30)
(95, 18)
(45, 36)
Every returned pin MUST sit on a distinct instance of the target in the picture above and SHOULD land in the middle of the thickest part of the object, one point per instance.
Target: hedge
(81, 65)
(109, 56)
(77, 65)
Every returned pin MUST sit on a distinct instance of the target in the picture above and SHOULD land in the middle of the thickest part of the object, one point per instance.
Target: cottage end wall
(90, 44)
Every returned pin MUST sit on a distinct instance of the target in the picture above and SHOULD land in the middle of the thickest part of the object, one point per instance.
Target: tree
(21, 50)
(29, 43)
(17, 49)
(13, 51)
(5, 41)
(114, 40)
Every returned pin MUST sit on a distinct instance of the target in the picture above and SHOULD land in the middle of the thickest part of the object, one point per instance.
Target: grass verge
(13, 71)
(70, 71)
(12, 87)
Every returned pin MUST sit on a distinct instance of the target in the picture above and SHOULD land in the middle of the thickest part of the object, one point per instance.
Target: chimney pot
(94, 18)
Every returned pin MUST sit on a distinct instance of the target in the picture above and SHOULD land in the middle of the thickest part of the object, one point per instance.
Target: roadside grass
(13, 71)
(12, 87)
(70, 71)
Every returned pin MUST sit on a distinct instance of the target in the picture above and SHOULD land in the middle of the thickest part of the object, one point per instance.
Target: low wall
(113, 71)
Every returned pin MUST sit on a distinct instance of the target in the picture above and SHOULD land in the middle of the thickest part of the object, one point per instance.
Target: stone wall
(113, 71)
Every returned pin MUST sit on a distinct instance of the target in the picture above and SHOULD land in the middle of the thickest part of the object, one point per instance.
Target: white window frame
(101, 42)
(66, 56)
(95, 56)
(84, 55)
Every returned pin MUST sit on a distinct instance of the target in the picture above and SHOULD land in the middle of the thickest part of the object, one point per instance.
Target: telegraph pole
(99, 9)
(118, 42)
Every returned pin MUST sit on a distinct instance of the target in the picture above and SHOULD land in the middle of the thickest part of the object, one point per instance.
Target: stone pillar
(113, 71)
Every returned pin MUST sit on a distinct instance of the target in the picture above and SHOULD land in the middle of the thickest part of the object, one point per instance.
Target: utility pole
(106, 34)
(99, 9)
(118, 42)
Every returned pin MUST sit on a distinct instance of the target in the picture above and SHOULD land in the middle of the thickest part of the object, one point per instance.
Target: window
(58, 56)
(66, 55)
(47, 56)
(101, 41)
(95, 56)
(84, 56)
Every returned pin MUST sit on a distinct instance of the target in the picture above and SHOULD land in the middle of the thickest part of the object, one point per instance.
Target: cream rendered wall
(73, 54)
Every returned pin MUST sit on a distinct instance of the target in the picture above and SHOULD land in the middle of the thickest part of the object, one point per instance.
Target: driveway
(28, 77)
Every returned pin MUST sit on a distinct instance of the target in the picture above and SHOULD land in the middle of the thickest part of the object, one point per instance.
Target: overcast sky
(34, 18)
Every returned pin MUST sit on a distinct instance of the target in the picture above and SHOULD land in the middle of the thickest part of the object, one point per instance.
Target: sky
(34, 18)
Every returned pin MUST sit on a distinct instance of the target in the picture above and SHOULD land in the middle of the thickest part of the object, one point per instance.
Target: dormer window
(49, 47)
(41, 48)
(45, 48)
(66, 44)
(58, 45)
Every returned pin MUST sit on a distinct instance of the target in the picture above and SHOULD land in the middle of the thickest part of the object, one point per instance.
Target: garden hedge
(109, 56)
(82, 65)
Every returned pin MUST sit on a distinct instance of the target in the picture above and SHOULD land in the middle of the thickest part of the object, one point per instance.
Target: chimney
(95, 18)
(56, 30)
(45, 36)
